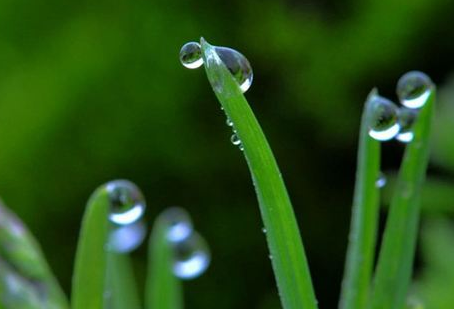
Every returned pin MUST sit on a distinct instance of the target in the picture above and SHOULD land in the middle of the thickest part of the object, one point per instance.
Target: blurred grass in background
(91, 92)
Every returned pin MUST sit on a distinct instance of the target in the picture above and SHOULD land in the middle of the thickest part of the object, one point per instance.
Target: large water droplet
(127, 204)
(191, 55)
(238, 65)
(126, 238)
(407, 118)
(413, 89)
(381, 180)
(383, 118)
(179, 225)
(191, 257)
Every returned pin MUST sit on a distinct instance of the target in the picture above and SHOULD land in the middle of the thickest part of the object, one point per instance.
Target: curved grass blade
(363, 232)
(396, 256)
(163, 290)
(26, 280)
(121, 284)
(284, 241)
(91, 258)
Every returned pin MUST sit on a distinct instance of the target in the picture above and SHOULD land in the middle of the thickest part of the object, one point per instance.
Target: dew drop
(383, 118)
(191, 55)
(413, 89)
(381, 180)
(235, 139)
(264, 230)
(127, 204)
(191, 257)
(238, 65)
(229, 122)
(126, 238)
(179, 225)
(407, 118)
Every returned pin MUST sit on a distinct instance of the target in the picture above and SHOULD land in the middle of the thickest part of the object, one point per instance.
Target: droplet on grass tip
(178, 222)
(238, 66)
(235, 62)
(407, 118)
(191, 55)
(191, 257)
(413, 89)
(383, 118)
(127, 203)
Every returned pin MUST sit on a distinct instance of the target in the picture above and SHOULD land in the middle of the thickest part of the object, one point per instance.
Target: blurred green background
(92, 91)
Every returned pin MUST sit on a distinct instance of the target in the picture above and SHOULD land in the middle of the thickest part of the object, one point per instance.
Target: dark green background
(92, 91)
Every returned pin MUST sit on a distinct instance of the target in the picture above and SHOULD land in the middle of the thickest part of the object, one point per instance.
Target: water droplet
(229, 122)
(407, 117)
(191, 55)
(413, 89)
(264, 230)
(126, 238)
(383, 118)
(270, 257)
(238, 65)
(235, 140)
(191, 257)
(126, 202)
(381, 180)
(178, 222)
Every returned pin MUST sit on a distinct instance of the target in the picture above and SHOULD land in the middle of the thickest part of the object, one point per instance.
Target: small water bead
(414, 88)
(381, 180)
(191, 257)
(178, 223)
(191, 55)
(407, 118)
(126, 238)
(229, 122)
(235, 139)
(127, 203)
(238, 65)
(383, 118)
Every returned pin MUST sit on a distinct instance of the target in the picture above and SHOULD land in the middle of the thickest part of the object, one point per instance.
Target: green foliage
(91, 258)
(284, 240)
(363, 230)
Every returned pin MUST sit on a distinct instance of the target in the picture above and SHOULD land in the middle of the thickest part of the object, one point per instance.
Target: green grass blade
(288, 257)
(121, 282)
(396, 256)
(163, 290)
(363, 232)
(22, 262)
(90, 266)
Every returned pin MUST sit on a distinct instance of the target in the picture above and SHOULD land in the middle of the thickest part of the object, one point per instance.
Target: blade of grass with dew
(395, 262)
(89, 276)
(163, 290)
(363, 231)
(121, 282)
(284, 241)
(23, 262)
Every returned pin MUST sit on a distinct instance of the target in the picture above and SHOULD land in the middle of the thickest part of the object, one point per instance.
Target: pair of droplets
(386, 120)
(191, 256)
